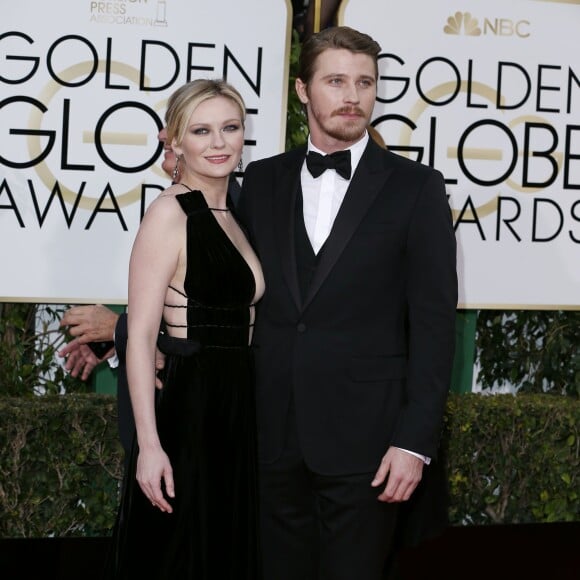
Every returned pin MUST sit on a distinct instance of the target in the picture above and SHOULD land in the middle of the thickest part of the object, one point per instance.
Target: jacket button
(301, 327)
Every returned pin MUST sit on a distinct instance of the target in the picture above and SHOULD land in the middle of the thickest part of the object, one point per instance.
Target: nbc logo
(469, 23)
(466, 24)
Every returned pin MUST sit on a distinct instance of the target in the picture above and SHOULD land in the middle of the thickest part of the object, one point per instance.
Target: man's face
(339, 98)
(169, 159)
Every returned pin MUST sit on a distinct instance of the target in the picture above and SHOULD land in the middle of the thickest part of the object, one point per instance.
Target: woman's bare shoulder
(165, 204)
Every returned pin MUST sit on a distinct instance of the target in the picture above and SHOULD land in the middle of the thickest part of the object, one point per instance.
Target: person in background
(354, 337)
(328, 14)
(189, 504)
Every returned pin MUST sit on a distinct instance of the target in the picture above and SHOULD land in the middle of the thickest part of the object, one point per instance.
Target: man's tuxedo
(365, 349)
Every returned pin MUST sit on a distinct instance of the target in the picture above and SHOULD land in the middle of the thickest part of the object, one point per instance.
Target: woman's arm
(155, 259)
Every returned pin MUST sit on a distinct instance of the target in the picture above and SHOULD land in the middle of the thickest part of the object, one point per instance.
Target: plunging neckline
(225, 234)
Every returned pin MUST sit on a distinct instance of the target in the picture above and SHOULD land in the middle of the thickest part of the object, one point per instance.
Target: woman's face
(213, 142)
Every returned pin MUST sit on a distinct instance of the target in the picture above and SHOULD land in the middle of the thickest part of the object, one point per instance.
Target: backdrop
(83, 89)
(489, 93)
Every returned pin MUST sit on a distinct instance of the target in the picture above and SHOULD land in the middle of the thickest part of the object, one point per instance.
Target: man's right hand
(91, 323)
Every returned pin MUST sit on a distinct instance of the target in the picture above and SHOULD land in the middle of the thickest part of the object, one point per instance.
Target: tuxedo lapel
(284, 219)
(368, 180)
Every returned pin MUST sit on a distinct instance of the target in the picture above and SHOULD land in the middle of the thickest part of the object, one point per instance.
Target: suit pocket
(373, 369)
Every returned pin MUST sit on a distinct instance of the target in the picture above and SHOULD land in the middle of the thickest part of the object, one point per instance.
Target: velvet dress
(206, 423)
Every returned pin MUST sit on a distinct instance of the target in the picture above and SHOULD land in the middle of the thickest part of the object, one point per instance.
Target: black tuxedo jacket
(367, 353)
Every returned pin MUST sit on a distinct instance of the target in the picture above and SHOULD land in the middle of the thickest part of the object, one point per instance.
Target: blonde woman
(188, 508)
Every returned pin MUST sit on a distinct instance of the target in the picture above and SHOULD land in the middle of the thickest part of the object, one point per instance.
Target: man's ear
(301, 91)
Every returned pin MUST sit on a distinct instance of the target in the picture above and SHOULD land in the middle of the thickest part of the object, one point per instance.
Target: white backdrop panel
(489, 93)
(83, 95)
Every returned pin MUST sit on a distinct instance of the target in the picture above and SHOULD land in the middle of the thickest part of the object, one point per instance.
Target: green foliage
(60, 465)
(296, 122)
(536, 351)
(29, 341)
(513, 459)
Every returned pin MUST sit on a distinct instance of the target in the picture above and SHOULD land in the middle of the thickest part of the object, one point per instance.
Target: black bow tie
(339, 161)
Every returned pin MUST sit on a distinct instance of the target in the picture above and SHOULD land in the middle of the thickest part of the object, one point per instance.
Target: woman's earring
(241, 165)
(176, 169)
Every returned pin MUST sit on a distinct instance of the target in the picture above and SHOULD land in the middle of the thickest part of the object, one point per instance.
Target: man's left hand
(402, 472)
(80, 359)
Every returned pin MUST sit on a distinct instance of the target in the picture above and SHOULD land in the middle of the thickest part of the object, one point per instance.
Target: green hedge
(60, 465)
(511, 459)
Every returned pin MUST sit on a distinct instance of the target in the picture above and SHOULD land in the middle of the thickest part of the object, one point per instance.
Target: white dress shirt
(322, 197)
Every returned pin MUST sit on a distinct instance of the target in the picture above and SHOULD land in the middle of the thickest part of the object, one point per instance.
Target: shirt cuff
(113, 361)
(423, 458)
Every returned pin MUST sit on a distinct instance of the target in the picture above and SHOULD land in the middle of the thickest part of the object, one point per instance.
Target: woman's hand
(153, 467)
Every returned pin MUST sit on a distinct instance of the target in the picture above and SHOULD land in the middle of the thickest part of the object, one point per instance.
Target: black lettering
(469, 85)
(142, 76)
(404, 80)
(255, 85)
(499, 96)
(536, 213)
(190, 65)
(576, 217)
(92, 71)
(56, 192)
(402, 148)
(12, 205)
(27, 132)
(542, 87)
(109, 59)
(475, 220)
(569, 156)
(115, 209)
(461, 159)
(34, 60)
(571, 77)
(64, 144)
(544, 154)
(507, 221)
(99, 131)
(456, 73)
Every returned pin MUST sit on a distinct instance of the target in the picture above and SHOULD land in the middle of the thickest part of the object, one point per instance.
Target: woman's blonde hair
(187, 98)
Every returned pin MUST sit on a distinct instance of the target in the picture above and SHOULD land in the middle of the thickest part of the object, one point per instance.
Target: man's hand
(80, 359)
(404, 472)
(92, 323)
(159, 365)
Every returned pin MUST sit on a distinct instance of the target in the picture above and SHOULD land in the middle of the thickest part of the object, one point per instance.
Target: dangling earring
(176, 169)
(241, 165)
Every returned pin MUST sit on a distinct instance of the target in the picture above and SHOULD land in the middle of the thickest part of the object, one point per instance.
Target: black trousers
(319, 527)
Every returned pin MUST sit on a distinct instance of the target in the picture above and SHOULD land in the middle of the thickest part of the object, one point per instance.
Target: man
(354, 337)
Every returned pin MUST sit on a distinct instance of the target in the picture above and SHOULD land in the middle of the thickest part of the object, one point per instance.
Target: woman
(189, 505)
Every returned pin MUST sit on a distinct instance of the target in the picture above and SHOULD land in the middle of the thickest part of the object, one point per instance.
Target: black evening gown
(206, 423)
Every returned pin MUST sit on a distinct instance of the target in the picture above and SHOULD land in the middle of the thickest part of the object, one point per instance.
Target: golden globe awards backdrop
(83, 90)
(489, 94)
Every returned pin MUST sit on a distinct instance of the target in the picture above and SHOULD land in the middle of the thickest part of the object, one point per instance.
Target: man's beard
(345, 131)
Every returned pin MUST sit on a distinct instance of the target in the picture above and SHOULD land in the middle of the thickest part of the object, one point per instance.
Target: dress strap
(178, 291)
(191, 201)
